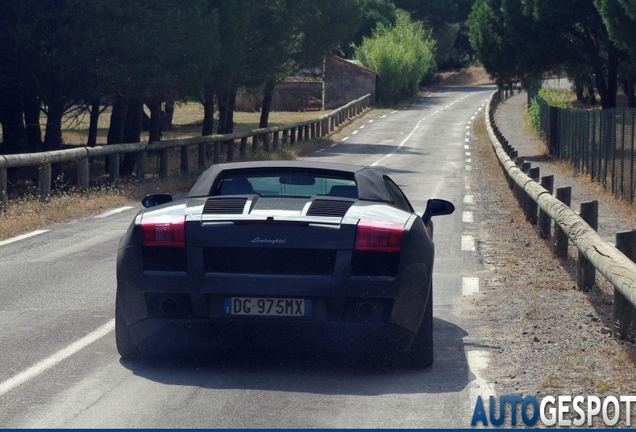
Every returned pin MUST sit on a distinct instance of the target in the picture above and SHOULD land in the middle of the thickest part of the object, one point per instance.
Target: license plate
(259, 306)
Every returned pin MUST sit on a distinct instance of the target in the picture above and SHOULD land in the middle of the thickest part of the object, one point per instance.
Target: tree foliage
(401, 54)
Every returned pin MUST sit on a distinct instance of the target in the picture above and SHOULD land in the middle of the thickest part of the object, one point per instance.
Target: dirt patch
(472, 75)
(547, 338)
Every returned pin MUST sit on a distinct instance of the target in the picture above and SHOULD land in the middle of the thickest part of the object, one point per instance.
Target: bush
(557, 97)
(534, 115)
(402, 55)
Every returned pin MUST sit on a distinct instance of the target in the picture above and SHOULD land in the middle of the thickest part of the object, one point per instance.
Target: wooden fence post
(544, 220)
(285, 137)
(45, 182)
(163, 163)
(230, 151)
(243, 148)
(255, 141)
(313, 131)
(560, 248)
(292, 136)
(531, 206)
(185, 159)
(216, 156)
(276, 140)
(624, 313)
(585, 271)
(82, 175)
(202, 156)
(3, 189)
(113, 168)
(141, 166)
(266, 142)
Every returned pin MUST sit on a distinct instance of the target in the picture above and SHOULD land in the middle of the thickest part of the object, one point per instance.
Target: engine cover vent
(329, 207)
(225, 205)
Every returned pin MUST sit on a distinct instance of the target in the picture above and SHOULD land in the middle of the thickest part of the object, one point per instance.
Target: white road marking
(113, 212)
(333, 145)
(466, 139)
(477, 362)
(51, 361)
(354, 132)
(468, 243)
(467, 153)
(470, 285)
(383, 116)
(361, 127)
(467, 217)
(466, 147)
(318, 151)
(393, 112)
(22, 237)
(469, 168)
(469, 199)
(468, 160)
(370, 121)
(344, 139)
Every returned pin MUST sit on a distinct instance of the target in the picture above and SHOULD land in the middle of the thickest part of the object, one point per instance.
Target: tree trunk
(132, 134)
(169, 114)
(117, 120)
(94, 119)
(607, 88)
(154, 133)
(208, 113)
(32, 119)
(268, 95)
(117, 124)
(223, 111)
(13, 130)
(631, 98)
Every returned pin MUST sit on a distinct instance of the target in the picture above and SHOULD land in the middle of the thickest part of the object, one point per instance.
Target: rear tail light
(379, 236)
(167, 231)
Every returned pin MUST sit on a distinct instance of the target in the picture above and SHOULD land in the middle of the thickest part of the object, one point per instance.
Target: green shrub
(402, 55)
(559, 98)
(534, 115)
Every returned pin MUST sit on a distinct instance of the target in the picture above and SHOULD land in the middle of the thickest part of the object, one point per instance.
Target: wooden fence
(266, 138)
(540, 207)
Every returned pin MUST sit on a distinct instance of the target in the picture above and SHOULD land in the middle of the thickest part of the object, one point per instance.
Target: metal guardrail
(607, 259)
(265, 137)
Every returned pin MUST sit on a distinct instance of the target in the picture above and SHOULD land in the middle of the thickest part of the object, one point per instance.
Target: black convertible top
(369, 180)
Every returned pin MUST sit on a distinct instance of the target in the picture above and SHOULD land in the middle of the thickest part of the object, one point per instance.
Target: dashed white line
(318, 151)
(467, 217)
(383, 116)
(469, 168)
(468, 160)
(22, 237)
(393, 112)
(51, 361)
(467, 153)
(354, 132)
(469, 199)
(344, 139)
(470, 285)
(333, 145)
(361, 127)
(468, 243)
(466, 147)
(113, 212)
(370, 121)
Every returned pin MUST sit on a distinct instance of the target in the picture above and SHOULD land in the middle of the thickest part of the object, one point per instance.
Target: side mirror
(156, 199)
(437, 207)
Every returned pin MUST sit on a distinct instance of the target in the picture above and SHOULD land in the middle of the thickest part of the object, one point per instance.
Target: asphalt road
(59, 366)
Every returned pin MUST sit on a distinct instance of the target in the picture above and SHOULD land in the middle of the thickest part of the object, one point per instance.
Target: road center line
(22, 237)
(51, 361)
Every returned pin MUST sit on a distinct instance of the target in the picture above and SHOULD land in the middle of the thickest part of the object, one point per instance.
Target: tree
(402, 55)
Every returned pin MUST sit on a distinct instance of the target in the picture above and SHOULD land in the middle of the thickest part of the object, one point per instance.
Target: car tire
(422, 349)
(127, 349)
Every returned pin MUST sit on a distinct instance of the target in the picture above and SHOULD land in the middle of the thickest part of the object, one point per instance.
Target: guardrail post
(531, 206)
(332, 123)
(285, 137)
(266, 142)
(299, 134)
(82, 175)
(560, 247)
(45, 182)
(292, 136)
(276, 140)
(202, 156)
(3, 189)
(141, 166)
(113, 168)
(306, 134)
(230, 151)
(624, 313)
(163, 163)
(553, 132)
(243, 148)
(255, 143)
(185, 159)
(585, 270)
(313, 130)
(544, 220)
(216, 157)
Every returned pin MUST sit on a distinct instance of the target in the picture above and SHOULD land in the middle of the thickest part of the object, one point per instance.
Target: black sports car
(280, 254)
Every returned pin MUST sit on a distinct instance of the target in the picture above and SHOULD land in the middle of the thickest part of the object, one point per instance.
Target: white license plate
(260, 306)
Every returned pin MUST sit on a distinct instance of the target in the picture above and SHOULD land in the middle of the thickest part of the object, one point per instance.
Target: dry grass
(472, 75)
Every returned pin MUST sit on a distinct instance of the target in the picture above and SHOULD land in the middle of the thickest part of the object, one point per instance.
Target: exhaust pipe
(169, 306)
(366, 311)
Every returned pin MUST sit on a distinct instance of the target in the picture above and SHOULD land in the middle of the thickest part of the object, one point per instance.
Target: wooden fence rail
(264, 137)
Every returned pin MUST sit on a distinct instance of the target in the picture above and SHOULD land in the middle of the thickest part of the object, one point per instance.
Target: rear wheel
(127, 348)
(422, 350)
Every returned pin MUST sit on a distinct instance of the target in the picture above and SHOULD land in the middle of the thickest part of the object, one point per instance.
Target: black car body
(280, 253)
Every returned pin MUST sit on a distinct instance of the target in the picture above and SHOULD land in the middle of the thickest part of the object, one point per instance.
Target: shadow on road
(312, 372)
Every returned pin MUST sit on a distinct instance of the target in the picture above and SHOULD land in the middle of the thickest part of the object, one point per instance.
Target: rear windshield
(288, 184)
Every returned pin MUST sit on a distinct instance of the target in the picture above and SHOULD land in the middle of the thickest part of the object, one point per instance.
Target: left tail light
(166, 231)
